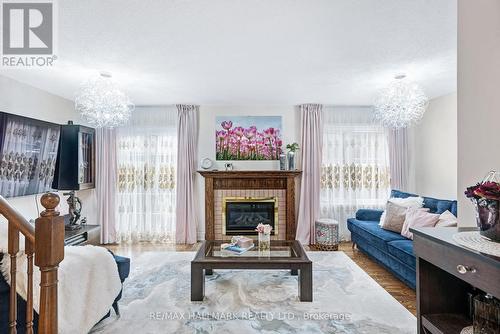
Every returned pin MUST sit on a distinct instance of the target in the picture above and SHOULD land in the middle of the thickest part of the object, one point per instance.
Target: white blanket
(88, 285)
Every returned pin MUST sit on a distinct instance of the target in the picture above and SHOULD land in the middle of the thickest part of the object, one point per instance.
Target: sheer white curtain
(355, 165)
(147, 157)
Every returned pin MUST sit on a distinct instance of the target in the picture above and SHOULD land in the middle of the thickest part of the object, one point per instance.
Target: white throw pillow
(409, 202)
(447, 219)
(382, 219)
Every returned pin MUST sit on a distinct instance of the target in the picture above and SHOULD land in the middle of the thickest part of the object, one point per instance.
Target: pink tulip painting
(248, 138)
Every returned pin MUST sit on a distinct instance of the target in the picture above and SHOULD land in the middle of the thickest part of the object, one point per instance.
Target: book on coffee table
(235, 249)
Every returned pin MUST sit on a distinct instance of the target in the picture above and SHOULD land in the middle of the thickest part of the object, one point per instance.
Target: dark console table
(446, 274)
(87, 235)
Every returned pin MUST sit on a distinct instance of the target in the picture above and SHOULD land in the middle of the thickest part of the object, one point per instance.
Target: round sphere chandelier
(102, 104)
(401, 104)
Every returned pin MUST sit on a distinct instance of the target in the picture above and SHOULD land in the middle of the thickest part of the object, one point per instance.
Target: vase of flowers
(486, 198)
(264, 231)
(292, 148)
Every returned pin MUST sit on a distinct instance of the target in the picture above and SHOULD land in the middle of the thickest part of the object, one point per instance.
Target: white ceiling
(252, 51)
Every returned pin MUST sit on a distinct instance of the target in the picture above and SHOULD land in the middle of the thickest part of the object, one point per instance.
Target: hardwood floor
(391, 284)
(403, 294)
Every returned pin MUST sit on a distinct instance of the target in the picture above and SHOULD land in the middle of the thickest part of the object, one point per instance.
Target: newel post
(49, 252)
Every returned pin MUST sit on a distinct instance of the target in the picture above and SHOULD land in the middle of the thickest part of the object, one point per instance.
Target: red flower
(488, 190)
(470, 191)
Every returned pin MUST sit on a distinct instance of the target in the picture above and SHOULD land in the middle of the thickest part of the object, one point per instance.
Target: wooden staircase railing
(44, 242)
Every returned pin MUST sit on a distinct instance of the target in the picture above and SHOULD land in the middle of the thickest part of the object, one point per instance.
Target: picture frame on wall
(248, 138)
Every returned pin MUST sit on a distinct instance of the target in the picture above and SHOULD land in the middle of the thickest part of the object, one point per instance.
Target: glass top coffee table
(283, 255)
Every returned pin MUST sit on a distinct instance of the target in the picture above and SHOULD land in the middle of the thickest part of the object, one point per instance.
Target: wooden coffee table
(282, 255)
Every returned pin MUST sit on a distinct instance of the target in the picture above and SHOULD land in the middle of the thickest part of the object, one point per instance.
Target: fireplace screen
(241, 215)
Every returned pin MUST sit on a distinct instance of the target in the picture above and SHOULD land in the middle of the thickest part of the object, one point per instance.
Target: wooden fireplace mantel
(249, 179)
(251, 173)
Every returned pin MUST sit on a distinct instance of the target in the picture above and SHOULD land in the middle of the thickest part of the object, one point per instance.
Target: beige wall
(21, 99)
(435, 153)
(478, 96)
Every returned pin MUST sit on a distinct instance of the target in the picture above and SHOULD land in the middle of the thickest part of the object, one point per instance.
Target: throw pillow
(447, 219)
(394, 217)
(382, 219)
(409, 202)
(418, 218)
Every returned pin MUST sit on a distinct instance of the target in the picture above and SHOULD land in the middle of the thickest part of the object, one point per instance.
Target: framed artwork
(248, 138)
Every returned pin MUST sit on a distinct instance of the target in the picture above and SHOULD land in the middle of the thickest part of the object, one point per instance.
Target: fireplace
(278, 184)
(241, 215)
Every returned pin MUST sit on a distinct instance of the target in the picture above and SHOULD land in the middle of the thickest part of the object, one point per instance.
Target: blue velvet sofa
(390, 249)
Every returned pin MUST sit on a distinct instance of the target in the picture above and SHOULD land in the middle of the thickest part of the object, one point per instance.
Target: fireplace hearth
(241, 215)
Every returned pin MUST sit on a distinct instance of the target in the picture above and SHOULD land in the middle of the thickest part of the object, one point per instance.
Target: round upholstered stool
(327, 234)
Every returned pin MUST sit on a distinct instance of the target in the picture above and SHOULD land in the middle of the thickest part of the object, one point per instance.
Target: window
(355, 164)
(147, 157)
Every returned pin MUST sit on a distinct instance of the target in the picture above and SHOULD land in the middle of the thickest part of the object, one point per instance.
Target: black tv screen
(28, 152)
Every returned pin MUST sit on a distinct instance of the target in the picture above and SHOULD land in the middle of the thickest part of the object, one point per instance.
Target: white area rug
(156, 299)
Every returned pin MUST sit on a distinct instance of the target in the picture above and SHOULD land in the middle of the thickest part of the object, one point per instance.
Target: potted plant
(292, 148)
(486, 198)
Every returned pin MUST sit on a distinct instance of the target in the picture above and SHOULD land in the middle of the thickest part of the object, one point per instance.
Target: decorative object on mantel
(292, 148)
(207, 163)
(401, 104)
(248, 137)
(264, 231)
(102, 103)
(228, 166)
(283, 161)
(327, 234)
(473, 240)
(486, 198)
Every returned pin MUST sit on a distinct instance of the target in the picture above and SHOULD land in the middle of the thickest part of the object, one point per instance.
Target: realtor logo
(28, 32)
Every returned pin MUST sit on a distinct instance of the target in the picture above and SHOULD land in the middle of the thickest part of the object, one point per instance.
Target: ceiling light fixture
(102, 103)
(401, 104)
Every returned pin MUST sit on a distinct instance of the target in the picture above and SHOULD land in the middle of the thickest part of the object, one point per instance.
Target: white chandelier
(102, 103)
(401, 104)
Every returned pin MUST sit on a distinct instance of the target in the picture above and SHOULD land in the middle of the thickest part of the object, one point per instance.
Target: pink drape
(187, 148)
(106, 183)
(398, 158)
(311, 149)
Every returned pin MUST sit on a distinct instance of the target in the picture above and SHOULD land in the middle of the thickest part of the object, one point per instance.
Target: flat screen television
(28, 152)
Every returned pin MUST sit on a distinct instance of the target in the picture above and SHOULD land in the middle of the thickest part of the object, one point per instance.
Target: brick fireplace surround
(269, 183)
